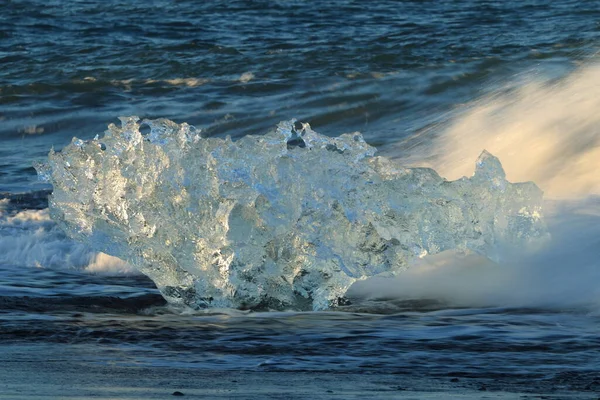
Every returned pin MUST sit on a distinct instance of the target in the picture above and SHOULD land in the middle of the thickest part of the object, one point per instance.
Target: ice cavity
(287, 220)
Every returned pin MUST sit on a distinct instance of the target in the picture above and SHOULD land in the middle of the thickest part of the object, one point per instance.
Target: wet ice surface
(288, 220)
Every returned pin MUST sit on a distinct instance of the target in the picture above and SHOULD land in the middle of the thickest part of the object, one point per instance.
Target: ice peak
(286, 220)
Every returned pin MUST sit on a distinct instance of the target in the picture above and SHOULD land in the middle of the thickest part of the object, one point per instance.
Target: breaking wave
(29, 238)
(547, 131)
(543, 131)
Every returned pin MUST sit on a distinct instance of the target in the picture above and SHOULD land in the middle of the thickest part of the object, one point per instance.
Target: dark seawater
(397, 71)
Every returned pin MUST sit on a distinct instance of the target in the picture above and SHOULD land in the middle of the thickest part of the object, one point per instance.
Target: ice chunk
(285, 220)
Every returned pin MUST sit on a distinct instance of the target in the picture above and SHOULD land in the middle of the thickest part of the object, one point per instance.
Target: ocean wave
(30, 238)
(543, 131)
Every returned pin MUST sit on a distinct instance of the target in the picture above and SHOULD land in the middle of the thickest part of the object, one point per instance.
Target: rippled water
(236, 67)
(524, 349)
(401, 72)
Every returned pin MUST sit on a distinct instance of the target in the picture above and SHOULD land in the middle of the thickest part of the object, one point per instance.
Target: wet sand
(62, 371)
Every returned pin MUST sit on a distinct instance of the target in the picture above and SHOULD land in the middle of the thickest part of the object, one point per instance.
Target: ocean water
(427, 83)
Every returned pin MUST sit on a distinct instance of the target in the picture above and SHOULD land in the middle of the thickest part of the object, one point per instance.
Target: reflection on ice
(290, 219)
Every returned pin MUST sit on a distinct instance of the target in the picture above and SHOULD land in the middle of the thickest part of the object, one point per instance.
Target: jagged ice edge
(316, 213)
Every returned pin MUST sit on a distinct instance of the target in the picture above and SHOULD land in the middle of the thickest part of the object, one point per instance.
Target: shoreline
(63, 371)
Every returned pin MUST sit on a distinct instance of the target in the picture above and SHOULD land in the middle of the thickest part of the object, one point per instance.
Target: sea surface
(429, 83)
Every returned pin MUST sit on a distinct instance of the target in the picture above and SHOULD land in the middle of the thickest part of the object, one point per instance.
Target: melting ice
(287, 220)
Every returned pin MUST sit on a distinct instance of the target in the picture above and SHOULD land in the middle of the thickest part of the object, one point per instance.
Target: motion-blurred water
(429, 83)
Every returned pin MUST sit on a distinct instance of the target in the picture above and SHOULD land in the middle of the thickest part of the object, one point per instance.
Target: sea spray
(30, 239)
(563, 275)
(287, 220)
(543, 131)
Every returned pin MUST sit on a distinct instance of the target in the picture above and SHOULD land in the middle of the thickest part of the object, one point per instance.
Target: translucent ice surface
(287, 220)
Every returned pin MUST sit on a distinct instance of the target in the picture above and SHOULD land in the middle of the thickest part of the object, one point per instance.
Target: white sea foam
(29, 238)
(189, 82)
(566, 273)
(102, 263)
(246, 77)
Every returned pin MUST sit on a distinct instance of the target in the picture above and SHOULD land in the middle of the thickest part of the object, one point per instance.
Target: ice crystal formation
(287, 220)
